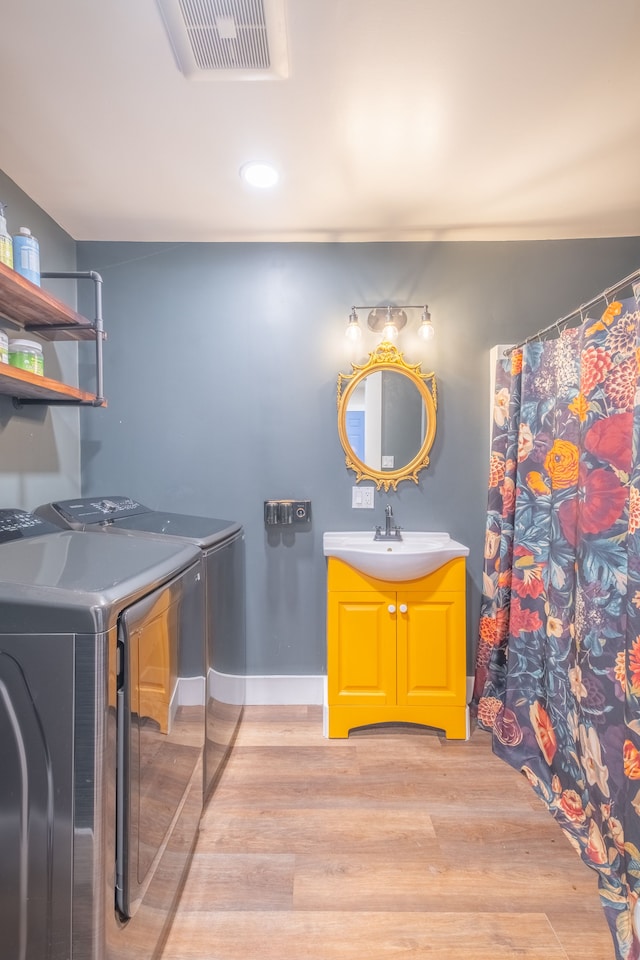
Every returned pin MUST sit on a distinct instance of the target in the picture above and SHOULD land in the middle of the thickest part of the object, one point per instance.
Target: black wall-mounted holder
(286, 512)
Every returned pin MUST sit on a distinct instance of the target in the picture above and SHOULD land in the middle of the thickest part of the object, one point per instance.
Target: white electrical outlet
(362, 498)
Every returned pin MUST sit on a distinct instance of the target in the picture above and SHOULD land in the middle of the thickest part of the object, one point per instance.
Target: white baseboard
(258, 690)
(191, 691)
(280, 690)
(325, 708)
(226, 687)
(276, 690)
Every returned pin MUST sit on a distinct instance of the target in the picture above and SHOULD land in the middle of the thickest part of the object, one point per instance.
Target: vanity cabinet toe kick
(396, 652)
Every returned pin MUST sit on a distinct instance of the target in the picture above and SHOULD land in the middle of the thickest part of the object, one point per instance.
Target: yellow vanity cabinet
(396, 652)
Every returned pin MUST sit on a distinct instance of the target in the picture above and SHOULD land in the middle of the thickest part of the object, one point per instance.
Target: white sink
(416, 555)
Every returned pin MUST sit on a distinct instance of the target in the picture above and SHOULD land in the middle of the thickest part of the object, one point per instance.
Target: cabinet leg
(337, 727)
(457, 727)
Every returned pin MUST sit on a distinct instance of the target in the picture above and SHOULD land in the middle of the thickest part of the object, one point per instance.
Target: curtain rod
(625, 282)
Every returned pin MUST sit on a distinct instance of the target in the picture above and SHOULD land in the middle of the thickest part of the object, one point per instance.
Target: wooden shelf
(27, 305)
(31, 386)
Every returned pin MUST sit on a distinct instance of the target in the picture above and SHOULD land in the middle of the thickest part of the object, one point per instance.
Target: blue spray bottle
(26, 255)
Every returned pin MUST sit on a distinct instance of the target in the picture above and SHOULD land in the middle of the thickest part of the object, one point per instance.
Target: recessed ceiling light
(259, 174)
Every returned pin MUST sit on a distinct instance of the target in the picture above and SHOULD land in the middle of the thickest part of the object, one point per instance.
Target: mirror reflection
(386, 420)
(386, 417)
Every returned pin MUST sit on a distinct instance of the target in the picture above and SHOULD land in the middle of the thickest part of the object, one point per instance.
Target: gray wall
(40, 446)
(221, 369)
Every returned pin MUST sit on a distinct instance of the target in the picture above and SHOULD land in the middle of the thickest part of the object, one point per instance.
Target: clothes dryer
(101, 785)
(222, 654)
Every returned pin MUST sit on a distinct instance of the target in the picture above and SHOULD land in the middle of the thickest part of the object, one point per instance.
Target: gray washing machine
(222, 658)
(101, 780)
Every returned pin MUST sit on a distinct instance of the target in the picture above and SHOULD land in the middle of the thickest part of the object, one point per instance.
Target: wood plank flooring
(395, 844)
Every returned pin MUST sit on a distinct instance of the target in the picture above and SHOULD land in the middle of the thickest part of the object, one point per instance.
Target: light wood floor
(391, 844)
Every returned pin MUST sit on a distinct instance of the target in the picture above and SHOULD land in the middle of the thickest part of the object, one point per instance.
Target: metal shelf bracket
(97, 326)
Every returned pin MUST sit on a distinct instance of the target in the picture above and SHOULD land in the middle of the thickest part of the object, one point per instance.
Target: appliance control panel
(19, 524)
(98, 509)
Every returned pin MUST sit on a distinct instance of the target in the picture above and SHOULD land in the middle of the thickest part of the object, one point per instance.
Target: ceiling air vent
(228, 39)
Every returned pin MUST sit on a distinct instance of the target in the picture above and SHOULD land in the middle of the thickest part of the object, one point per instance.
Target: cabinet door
(431, 649)
(361, 655)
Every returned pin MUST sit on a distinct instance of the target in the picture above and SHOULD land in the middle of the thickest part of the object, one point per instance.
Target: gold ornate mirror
(386, 417)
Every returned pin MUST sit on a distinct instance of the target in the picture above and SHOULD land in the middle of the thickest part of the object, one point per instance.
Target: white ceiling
(400, 120)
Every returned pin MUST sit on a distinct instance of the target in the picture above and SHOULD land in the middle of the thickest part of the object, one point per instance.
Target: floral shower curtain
(558, 665)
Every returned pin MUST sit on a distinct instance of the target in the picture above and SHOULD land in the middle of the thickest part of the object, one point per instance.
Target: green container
(27, 355)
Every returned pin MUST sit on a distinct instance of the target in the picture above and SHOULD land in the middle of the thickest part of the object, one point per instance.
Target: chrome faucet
(389, 533)
(388, 517)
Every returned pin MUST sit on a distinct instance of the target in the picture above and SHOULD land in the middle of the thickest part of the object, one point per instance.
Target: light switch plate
(362, 498)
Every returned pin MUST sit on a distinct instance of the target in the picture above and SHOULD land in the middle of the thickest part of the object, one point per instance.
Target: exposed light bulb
(259, 174)
(353, 333)
(390, 332)
(425, 330)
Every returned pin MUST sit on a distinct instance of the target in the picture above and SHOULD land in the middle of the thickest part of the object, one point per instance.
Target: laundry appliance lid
(68, 582)
(124, 513)
(202, 531)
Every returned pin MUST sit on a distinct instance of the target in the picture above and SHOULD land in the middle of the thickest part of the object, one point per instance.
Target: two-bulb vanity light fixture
(389, 321)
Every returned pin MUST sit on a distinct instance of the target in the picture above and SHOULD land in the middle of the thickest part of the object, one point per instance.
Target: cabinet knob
(403, 608)
(391, 608)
